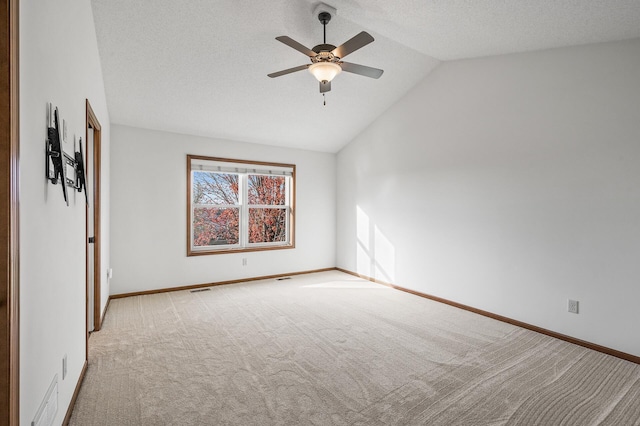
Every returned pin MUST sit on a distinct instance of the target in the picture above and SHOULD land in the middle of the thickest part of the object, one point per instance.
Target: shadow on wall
(375, 255)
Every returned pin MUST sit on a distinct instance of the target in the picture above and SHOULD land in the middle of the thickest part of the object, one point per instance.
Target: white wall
(149, 213)
(59, 63)
(509, 184)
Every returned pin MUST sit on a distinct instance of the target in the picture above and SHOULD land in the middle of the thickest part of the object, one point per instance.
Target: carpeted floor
(331, 349)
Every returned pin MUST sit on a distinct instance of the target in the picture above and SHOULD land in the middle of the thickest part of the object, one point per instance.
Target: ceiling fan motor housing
(324, 53)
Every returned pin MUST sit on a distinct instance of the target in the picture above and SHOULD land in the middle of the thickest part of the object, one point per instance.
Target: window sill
(191, 252)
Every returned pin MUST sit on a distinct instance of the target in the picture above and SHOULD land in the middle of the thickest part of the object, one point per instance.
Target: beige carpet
(331, 349)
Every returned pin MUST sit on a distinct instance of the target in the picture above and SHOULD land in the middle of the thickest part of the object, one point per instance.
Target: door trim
(94, 168)
(9, 213)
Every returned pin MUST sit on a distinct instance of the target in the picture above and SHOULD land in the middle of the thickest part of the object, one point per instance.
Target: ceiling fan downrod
(324, 18)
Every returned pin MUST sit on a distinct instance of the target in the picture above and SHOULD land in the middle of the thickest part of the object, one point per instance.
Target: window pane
(267, 225)
(215, 188)
(269, 190)
(213, 227)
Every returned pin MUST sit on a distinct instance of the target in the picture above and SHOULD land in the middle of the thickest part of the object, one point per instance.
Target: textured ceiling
(200, 66)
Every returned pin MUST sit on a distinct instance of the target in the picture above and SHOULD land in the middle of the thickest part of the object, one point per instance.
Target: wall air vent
(46, 413)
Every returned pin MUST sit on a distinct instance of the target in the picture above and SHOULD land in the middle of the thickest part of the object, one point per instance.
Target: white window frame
(243, 169)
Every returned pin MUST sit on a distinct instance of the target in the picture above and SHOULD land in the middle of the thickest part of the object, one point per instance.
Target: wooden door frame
(94, 169)
(9, 214)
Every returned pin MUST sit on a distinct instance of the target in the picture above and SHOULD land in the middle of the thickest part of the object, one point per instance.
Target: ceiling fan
(326, 59)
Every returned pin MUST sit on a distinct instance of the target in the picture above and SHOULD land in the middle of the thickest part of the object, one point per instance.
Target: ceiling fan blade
(325, 86)
(361, 70)
(288, 71)
(300, 48)
(353, 44)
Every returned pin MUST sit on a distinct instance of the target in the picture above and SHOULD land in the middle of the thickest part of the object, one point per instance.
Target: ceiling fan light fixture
(325, 71)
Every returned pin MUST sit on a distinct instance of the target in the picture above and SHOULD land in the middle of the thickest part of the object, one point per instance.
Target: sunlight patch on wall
(362, 227)
(363, 257)
(385, 257)
(375, 254)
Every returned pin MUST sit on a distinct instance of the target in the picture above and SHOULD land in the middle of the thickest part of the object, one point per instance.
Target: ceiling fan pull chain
(324, 100)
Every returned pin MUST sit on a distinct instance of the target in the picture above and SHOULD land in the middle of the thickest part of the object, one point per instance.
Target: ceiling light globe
(325, 71)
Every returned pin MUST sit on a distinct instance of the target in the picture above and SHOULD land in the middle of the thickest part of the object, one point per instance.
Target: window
(237, 205)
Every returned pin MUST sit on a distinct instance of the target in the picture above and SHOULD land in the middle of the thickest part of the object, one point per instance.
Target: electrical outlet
(572, 306)
(64, 366)
(244, 261)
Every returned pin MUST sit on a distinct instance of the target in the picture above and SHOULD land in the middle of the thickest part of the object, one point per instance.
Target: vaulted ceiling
(200, 66)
